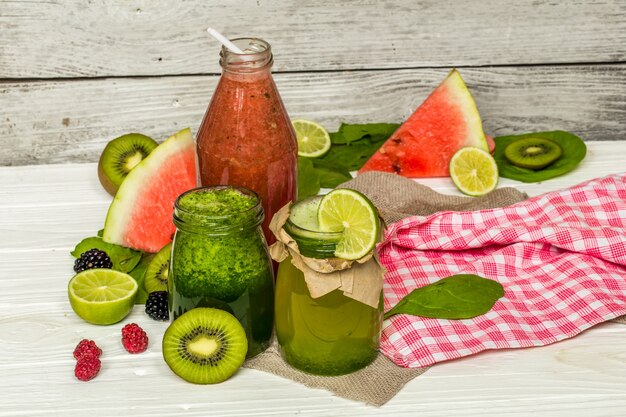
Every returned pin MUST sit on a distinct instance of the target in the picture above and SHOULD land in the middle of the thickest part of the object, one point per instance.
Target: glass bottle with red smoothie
(246, 138)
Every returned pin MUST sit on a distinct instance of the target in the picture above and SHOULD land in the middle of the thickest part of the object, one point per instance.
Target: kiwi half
(532, 153)
(157, 272)
(120, 156)
(205, 346)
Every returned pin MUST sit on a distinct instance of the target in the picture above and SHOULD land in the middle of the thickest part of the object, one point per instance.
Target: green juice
(330, 335)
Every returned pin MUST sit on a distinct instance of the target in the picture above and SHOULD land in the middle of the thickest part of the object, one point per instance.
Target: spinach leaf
(574, 151)
(124, 259)
(351, 147)
(138, 273)
(308, 178)
(330, 175)
(349, 133)
(456, 297)
(353, 156)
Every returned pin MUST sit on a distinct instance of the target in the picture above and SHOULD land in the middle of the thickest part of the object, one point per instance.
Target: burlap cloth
(395, 198)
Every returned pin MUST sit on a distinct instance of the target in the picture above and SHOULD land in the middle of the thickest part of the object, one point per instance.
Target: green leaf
(139, 274)
(330, 175)
(456, 297)
(349, 133)
(574, 151)
(352, 157)
(100, 233)
(124, 259)
(308, 178)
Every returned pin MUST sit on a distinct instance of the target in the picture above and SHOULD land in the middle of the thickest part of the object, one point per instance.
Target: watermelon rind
(474, 123)
(120, 214)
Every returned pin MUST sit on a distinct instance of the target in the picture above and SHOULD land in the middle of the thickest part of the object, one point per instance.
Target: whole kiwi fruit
(120, 156)
(205, 345)
(532, 153)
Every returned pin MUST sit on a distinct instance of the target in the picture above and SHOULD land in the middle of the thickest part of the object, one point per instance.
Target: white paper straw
(224, 41)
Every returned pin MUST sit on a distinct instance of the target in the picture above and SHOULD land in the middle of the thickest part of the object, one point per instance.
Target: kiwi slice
(205, 345)
(532, 153)
(155, 278)
(120, 156)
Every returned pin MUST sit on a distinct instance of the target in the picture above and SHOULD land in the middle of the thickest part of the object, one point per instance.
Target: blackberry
(156, 306)
(93, 258)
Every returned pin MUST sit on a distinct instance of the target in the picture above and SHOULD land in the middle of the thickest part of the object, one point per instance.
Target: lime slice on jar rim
(102, 296)
(474, 171)
(313, 139)
(353, 214)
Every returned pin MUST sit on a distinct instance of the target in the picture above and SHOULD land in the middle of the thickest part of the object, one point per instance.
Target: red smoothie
(246, 138)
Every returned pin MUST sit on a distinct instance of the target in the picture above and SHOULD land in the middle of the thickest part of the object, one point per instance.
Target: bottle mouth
(218, 210)
(257, 54)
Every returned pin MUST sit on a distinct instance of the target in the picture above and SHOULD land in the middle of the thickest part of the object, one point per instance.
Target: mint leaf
(124, 259)
(574, 151)
(462, 296)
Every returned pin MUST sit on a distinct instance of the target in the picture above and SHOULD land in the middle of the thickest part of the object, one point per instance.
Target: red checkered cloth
(561, 258)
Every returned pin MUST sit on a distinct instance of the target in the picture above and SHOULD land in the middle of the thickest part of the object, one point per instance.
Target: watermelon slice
(423, 145)
(140, 216)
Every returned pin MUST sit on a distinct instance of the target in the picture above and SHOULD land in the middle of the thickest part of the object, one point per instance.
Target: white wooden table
(75, 74)
(45, 210)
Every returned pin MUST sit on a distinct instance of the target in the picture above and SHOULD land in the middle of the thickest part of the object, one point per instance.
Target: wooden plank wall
(76, 73)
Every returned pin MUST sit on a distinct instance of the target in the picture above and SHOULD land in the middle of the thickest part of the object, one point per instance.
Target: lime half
(351, 213)
(473, 171)
(313, 139)
(102, 296)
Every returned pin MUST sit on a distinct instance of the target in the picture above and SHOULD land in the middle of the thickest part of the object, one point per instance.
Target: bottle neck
(257, 57)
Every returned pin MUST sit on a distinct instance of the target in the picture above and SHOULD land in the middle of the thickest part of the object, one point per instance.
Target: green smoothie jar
(220, 259)
(331, 334)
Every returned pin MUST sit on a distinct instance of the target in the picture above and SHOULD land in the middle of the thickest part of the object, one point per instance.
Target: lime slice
(313, 139)
(351, 213)
(102, 296)
(473, 171)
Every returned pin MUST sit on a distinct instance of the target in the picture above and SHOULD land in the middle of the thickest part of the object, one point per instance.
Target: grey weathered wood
(75, 38)
(70, 121)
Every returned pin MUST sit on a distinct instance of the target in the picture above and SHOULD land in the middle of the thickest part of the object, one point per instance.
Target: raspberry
(156, 306)
(134, 339)
(87, 367)
(87, 348)
(93, 258)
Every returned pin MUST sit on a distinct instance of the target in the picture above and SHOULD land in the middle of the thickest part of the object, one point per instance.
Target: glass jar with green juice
(329, 335)
(220, 259)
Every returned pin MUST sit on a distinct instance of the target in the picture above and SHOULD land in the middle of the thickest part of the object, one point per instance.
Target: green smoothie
(220, 260)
